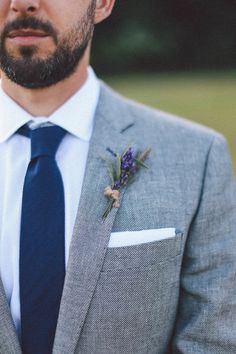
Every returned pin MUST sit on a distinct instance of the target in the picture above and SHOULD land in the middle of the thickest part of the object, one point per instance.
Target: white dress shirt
(76, 117)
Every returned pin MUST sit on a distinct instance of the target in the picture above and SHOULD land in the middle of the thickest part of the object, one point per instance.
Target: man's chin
(28, 83)
(34, 69)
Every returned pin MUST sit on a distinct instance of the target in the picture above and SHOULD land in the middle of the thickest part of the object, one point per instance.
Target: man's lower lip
(27, 39)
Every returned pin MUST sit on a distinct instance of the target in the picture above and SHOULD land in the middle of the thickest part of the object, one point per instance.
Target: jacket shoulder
(156, 121)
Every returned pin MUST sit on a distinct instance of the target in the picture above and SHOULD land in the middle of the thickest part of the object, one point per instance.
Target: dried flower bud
(108, 192)
(116, 204)
(115, 195)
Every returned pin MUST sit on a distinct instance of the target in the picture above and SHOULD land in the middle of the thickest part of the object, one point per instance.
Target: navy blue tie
(42, 243)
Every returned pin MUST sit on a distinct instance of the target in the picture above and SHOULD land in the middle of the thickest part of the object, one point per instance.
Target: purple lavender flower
(126, 167)
(128, 164)
(117, 185)
(124, 179)
(127, 161)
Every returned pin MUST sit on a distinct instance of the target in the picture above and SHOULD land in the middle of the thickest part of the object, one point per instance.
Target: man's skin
(62, 15)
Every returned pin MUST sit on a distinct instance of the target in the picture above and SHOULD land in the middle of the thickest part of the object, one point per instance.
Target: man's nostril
(31, 9)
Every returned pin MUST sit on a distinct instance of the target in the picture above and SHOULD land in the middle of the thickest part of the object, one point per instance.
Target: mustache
(30, 23)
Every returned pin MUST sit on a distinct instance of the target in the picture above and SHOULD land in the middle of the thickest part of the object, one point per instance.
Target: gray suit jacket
(176, 295)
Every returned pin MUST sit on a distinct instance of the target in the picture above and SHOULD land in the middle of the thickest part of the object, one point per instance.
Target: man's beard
(32, 72)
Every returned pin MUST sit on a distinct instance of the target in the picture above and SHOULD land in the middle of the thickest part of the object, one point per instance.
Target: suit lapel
(91, 234)
(9, 343)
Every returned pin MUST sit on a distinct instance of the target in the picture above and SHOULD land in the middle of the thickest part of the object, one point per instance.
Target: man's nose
(25, 6)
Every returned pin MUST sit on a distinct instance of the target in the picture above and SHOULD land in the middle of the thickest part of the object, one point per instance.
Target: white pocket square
(131, 238)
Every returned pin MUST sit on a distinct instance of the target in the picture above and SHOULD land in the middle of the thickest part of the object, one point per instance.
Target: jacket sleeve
(206, 319)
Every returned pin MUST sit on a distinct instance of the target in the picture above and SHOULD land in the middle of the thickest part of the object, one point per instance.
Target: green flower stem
(108, 209)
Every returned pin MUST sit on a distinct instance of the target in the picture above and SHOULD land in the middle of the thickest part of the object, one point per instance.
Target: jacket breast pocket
(137, 291)
(152, 248)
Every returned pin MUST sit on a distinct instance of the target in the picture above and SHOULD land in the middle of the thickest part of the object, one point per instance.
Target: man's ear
(103, 10)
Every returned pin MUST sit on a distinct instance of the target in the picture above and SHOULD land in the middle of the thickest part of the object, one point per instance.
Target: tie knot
(44, 141)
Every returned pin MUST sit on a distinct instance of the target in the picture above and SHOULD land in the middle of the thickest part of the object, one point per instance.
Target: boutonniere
(122, 173)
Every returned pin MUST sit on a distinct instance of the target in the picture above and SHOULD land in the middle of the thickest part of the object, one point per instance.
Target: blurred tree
(166, 34)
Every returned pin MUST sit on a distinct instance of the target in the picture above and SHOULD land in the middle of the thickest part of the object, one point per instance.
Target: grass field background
(205, 97)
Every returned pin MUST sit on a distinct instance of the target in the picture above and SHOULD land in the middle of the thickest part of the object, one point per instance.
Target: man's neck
(43, 102)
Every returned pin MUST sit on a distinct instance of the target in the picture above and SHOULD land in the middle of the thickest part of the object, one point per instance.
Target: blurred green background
(177, 56)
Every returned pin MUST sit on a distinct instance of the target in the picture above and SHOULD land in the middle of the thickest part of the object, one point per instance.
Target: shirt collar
(76, 115)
